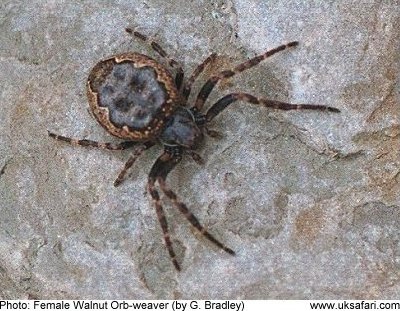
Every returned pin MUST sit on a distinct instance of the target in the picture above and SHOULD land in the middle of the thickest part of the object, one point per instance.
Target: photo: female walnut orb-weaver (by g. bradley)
(137, 99)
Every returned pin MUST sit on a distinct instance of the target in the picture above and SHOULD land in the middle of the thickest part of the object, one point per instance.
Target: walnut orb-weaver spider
(136, 99)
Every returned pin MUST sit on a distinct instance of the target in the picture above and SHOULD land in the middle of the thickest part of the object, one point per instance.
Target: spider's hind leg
(138, 150)
(160, 51)
(91, 143)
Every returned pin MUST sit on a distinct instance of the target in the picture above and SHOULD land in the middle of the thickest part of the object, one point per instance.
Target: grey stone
(308, 200)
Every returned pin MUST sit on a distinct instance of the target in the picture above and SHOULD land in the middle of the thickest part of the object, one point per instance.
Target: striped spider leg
(137, 151)
(158, 173)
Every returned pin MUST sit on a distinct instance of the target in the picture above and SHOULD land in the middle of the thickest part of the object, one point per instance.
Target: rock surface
(310, 201)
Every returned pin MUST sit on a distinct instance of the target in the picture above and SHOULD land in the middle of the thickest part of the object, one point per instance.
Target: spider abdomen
(131, 95)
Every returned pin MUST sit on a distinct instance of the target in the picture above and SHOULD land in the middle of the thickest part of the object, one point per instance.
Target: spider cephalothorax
(137, 99)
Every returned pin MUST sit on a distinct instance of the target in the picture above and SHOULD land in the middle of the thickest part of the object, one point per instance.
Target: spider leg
(139, 149)
(91, 143)
(213, 133)
(164, 163)
(160, 51)
(196, 157)
(199, 69)
(166, 166)
(225, 101)
(210, 84)
(189, 216)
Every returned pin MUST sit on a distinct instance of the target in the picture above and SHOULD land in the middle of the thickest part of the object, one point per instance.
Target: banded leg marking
(163, 222)
(160, 51)
(139, 149)
(163, 165)
(225, 101)
(91, 143)
(210, 84)
(199, 69)
(190, 217)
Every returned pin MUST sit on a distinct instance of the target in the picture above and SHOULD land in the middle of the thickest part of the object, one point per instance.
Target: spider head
(182, 130)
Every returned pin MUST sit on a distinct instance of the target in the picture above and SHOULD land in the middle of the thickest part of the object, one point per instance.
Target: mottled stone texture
(310, 201)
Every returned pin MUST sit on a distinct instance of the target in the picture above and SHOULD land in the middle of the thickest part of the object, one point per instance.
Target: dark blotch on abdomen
(132, 95)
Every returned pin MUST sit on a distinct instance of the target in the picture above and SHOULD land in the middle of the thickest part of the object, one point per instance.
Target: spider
(137, 99)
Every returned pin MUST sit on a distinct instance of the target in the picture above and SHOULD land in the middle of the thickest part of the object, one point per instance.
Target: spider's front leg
(159, 172)
(199, 69)
(160, 168)
(189, 215)
(201, 121)
(225, 101)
